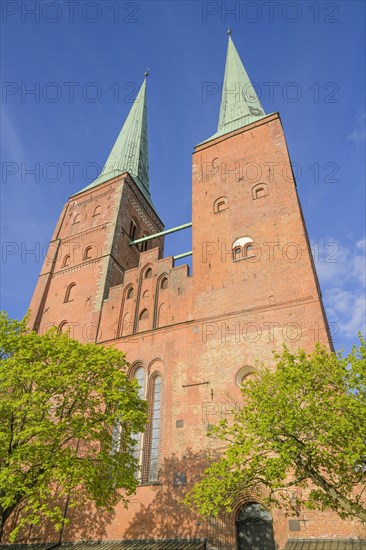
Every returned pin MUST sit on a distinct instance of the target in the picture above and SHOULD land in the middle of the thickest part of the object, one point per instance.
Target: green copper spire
(130, 152)
(239, 102)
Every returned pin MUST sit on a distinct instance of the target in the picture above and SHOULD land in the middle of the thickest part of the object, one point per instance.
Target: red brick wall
(203, 328)
(102, 217)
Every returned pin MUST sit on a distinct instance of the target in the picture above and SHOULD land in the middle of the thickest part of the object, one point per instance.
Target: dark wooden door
(255, 528)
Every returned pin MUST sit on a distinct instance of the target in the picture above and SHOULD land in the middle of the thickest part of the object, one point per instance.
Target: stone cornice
(77, 267)
(86, 232)
(92, 198)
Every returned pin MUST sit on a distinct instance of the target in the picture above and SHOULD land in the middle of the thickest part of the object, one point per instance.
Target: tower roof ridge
(130, 150)
(240, 104)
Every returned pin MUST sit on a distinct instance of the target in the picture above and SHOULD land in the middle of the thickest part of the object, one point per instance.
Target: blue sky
(85, 61)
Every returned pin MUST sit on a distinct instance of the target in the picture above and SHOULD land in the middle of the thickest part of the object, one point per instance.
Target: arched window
(129, 294)
(243, 248)
(140, 376)
(237, 253)
(116, 437)
(260, 190)
(62, 327)
(144, 315)
(155, 429)
(70, 293)
(148, 273)
(88, 253)
(97, 211)
(143, 320)
(144, 245)
(164, 283)
(76, 218)
(66, 261)
(254, 527)
(243, 373)
(146, 448)
(133, 230)
(220, 205)
(248, 251)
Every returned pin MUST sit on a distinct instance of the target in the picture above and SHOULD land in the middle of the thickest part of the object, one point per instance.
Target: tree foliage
(59, 403)
(300, 437)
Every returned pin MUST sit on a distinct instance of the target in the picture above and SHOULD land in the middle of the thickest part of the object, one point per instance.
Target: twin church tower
(190, 338)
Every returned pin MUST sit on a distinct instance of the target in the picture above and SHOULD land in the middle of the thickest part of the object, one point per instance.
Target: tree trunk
(347, 505)
(352, 508)
(4, 516)
(2, 523)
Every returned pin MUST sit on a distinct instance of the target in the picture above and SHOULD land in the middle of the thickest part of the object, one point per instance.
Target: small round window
(243, 373)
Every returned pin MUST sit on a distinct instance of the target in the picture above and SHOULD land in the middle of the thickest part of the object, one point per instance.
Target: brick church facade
(191, 338)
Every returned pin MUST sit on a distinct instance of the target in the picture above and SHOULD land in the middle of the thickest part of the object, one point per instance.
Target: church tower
(89, 251)
(190, 338)
(250, 245)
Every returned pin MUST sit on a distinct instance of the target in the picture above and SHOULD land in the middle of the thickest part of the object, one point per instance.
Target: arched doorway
(254, 528)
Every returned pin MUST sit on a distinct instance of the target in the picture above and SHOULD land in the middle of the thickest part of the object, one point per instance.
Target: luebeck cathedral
(191, 338)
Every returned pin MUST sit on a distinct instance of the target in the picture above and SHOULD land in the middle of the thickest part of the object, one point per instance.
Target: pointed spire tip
(130, 150)
(244, 109)
(228, 32)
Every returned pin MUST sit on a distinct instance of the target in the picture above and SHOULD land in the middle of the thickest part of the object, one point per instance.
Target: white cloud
(339, 264)
(342, 275)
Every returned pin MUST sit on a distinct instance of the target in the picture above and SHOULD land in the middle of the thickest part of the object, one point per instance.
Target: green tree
(300, 435)
(60, 401)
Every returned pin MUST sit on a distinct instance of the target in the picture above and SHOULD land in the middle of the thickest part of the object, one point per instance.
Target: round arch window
(243, 373)
(148, 273)
(164, 283)
(129, 293)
